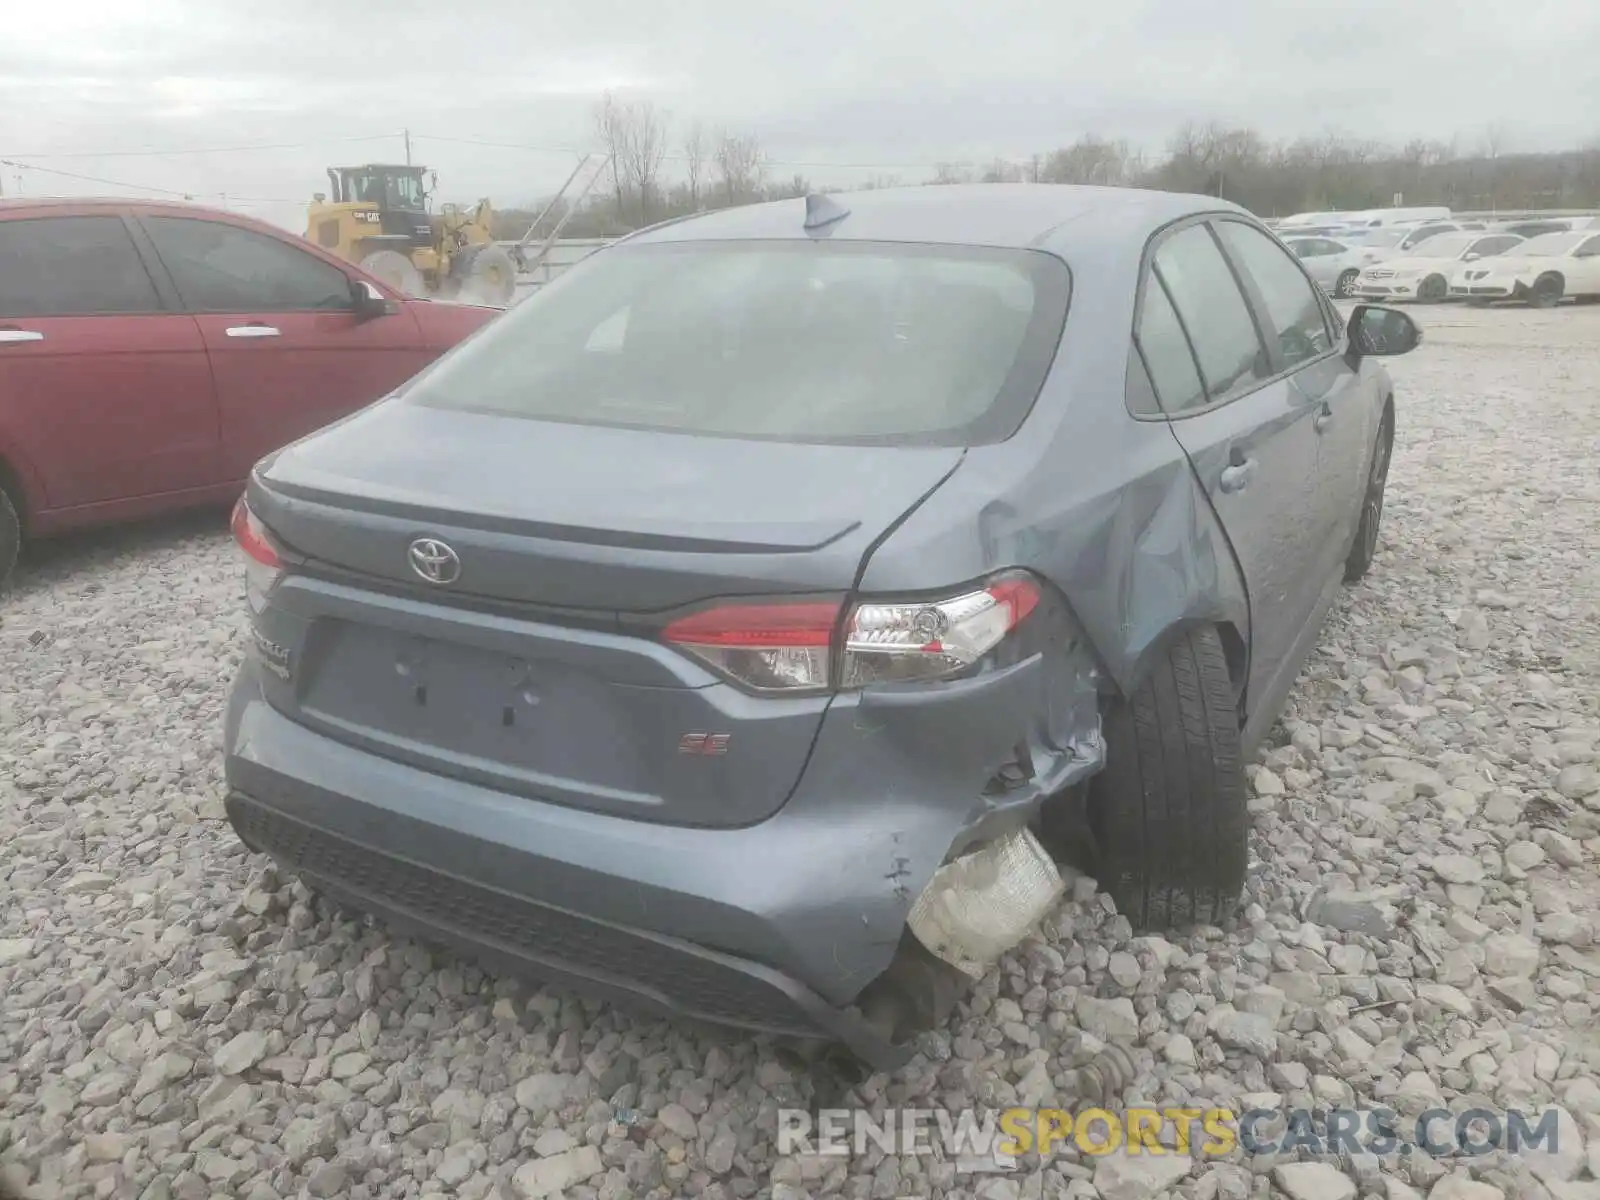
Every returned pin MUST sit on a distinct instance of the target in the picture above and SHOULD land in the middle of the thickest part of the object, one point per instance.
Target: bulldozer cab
(371, 208)
(391, 188)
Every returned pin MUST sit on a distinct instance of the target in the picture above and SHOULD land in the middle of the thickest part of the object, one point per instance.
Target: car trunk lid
(541, 670)
(583, 517)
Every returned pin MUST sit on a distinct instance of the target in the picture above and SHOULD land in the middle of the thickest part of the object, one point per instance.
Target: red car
(151, 352)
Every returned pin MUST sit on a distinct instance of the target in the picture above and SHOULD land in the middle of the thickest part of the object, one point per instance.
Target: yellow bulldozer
(378, 217)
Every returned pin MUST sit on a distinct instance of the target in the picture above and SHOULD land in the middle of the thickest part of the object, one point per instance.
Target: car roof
(1054, 216)
(16, 206)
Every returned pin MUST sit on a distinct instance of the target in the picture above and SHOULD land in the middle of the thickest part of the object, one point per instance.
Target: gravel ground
(179, 1021)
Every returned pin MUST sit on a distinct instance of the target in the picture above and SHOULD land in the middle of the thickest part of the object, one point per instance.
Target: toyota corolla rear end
(558, 655)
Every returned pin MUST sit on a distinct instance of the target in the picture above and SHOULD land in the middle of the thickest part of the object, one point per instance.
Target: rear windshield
(855, 342)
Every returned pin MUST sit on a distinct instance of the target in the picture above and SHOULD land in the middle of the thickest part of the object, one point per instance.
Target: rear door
(288, 352)
(1304, 342)
(1246, 429)
(1583, 271)
(1324, 262)
(106, 391)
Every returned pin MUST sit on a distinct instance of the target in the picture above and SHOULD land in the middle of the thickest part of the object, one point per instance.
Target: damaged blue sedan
(747, 624)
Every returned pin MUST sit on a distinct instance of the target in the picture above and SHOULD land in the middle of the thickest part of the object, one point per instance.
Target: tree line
(657, 172)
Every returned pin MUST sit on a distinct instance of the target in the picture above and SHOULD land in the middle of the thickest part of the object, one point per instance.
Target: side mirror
(368, 301)
(1471, 256)
(1376, 331)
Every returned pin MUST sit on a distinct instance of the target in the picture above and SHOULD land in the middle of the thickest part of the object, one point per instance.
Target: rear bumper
(775, 927)
(663, 975)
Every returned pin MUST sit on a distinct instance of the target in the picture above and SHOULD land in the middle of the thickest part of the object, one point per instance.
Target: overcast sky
(838, 90)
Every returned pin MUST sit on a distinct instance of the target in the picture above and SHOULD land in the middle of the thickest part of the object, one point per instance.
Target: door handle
(1323, 419)
(251, 331)
(21, 335)
(1237, 475)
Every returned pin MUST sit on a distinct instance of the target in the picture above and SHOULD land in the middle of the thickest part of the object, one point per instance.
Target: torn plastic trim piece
(980, 905)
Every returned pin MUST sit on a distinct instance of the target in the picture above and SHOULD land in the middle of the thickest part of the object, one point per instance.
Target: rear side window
(1422, 235)
(1290, 309)
(1164, 348)
(1213, 310)
(225, 269)
(72, 267)
(774, 340)
(1494, 245)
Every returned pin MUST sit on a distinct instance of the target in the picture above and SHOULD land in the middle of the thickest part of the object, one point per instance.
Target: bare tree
(609, 123)
(740, 164)
(696, 152)
(643, 150)
(1494, 140)
(1001, 171)
(635, 134)
(1090, 160)
(951, 173)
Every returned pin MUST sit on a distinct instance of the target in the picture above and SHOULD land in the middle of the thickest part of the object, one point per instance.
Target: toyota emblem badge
(434, 561)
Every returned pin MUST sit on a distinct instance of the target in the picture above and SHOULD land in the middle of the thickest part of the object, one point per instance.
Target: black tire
(485, 274)
(1365, 547)
(1341, 289)
(1547, 291)
(1169, 813)
(1434, 289)
(10, 537)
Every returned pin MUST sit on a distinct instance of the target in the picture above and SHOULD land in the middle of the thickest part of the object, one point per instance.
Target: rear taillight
(769, 647)
(909, 641)
(790, 646)
(262, 564)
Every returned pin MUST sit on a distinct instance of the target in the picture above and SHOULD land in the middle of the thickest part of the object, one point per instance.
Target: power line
(776, 162)
(372, 137)
(141, 187)
(529, 147)
(461, 141)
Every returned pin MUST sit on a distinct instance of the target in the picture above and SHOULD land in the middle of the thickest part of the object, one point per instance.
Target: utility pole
(407, 134)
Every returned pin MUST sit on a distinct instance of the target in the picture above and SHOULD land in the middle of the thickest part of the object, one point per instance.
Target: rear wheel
(1434, 289)
(10, 537)
(1341, 289)
(396, 270)
(1365, 547)
(1169, 815)
(1547, 291)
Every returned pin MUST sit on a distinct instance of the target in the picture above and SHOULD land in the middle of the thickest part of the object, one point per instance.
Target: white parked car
(1541, 272)
(1426, 272)
(1399, 241)
(1333, 262)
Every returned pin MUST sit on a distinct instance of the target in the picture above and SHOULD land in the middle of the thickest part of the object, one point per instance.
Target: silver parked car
(728, 626)
(1331, 262)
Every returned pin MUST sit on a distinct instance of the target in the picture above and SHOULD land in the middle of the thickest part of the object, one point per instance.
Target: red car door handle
(251, 331)
(13, 334)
